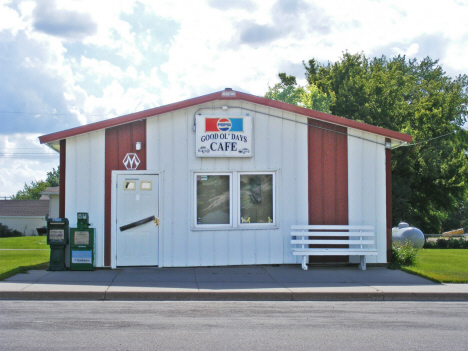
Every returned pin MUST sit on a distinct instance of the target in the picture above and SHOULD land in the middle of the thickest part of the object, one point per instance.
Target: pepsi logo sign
(224, 125)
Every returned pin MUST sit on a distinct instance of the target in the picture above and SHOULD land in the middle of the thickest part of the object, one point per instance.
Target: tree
(53, 178)
(288, 91)
(32, 191)
(458, 218)
(430, 179)
(314, 99)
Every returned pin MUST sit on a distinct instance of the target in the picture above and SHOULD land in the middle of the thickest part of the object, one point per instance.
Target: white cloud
(9, 20)
(36, 162)
(118, 57)
(63, 23)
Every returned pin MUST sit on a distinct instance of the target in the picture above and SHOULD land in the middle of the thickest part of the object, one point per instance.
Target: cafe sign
(224, 136)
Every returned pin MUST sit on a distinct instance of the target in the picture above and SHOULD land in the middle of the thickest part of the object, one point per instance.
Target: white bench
(360, 240)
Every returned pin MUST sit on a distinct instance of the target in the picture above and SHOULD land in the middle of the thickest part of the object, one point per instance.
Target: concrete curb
(246, 283)
(229, 296)
(52, 295)
(403, 296)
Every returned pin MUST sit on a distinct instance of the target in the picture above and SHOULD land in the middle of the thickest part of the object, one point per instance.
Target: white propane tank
(404, 232)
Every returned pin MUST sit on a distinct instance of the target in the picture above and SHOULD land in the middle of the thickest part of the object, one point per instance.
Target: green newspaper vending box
(57, 238)
(82, 245)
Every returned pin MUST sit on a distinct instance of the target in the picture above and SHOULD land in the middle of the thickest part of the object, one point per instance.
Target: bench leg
(362, 266)
(304, 262)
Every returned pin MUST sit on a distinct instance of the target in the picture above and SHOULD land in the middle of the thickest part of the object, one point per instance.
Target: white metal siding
(84, 184)
(279, 145)
(367, 187)
(54, 203)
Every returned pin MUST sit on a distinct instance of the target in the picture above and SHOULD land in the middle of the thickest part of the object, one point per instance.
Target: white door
(137, 220)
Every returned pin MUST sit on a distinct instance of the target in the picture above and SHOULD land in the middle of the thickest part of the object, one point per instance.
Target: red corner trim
(221, 95)
(388, 186)
(63, 172)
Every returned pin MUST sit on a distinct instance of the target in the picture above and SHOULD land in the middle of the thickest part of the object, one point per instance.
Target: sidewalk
(247, 283)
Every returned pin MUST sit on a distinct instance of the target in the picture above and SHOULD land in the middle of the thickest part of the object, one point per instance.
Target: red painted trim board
(388, 185)
(328, 179)
(120, 140)
(63, 172)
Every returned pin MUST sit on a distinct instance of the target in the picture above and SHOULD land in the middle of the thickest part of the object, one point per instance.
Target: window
(213, 199)
(236, 199)
(256, 198)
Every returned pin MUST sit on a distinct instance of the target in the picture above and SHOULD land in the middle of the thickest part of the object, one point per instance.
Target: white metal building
(224, 175)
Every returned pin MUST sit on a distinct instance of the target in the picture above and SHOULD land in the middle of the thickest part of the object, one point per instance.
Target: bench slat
(332, 227)
(332, 242)
(335, 253)
(332, 234)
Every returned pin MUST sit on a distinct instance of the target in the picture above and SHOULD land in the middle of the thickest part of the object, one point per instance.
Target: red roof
(227, 94)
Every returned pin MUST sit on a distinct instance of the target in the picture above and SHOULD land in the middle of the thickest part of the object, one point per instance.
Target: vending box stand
(82, 245)
(57, 238)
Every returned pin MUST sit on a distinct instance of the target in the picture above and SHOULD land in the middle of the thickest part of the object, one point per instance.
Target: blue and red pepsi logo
(224, 124)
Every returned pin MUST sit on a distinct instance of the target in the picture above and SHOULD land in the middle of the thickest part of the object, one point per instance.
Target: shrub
(403, 254)
(460, 243)
(452, 243)
(441, 243)
(464, 244)
(6, 232)
(430, 245)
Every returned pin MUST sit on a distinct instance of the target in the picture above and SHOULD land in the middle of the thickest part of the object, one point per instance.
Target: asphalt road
(106, 325)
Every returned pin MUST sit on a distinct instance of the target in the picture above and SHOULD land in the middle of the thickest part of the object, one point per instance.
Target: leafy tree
(430, 179)
(288, 91)
(32, 191)
(458, 218)
(53, 178)
(314, 99)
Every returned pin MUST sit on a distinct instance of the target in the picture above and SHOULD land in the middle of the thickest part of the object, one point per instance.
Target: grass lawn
(441, 265)
(24, 242)
(13, 262)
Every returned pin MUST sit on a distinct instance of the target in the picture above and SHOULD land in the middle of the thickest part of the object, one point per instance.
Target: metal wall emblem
(131, 161)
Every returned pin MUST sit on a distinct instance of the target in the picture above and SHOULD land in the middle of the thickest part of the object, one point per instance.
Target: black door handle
(137, 223)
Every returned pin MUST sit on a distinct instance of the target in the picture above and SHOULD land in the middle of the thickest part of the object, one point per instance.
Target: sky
(68, 63)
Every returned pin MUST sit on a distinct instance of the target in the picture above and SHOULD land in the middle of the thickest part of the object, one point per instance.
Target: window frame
(239, 223)
(196, 225)
(234, 201)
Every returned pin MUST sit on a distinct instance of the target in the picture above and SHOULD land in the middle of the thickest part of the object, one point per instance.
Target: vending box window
(57, 238)
(82, 244)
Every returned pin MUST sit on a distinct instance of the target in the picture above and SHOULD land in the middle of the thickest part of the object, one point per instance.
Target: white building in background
(52, 194)
(24, 216)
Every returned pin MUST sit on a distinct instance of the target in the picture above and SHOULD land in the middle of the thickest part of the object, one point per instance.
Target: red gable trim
(325, 117)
